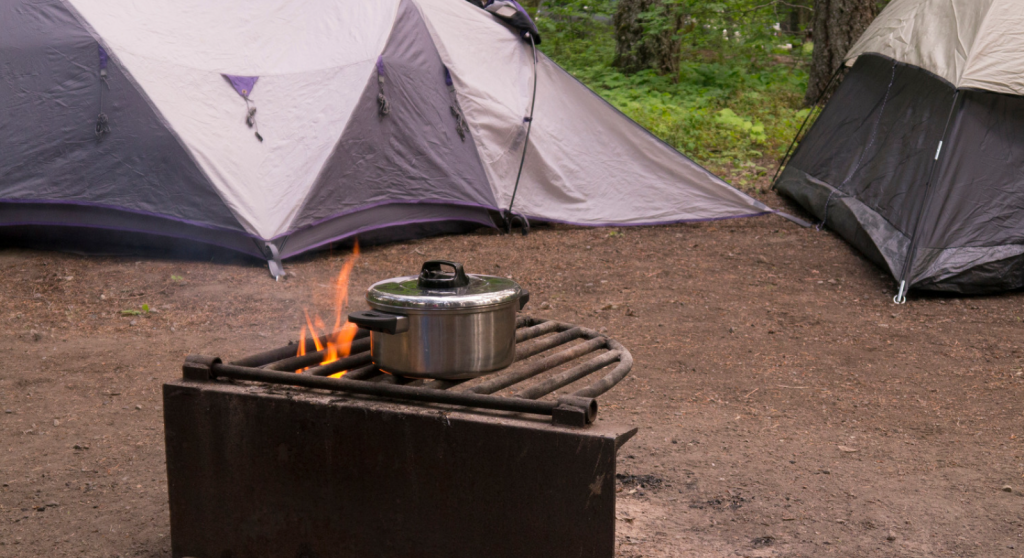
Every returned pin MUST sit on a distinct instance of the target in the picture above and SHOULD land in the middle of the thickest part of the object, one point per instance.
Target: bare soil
(786, 406)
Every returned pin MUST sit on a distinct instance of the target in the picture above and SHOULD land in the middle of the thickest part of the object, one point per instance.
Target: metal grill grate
(550, 356)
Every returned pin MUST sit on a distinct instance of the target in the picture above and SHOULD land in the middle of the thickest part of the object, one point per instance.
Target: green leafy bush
(734, 105)
(727, 117)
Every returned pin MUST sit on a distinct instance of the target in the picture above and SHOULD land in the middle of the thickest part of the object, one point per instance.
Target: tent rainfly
(918, 158)
(272, 128)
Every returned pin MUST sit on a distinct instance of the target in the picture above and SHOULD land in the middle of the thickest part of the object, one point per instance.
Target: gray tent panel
(868, 155)
(876, 141)
(52, 156)
(413, 154)
(975, 214)
(871, 169)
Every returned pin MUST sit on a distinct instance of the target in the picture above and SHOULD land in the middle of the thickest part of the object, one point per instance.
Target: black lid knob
(433, 276)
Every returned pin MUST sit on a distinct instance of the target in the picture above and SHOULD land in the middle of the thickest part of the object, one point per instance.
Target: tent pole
(901, 296)
(509, 216)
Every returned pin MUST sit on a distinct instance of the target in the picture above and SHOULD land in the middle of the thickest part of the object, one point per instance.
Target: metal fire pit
(373, 465)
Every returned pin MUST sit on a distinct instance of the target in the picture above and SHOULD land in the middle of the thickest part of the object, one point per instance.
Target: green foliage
(723, 25)
(177, 278)
(733, 106)
(727, 117)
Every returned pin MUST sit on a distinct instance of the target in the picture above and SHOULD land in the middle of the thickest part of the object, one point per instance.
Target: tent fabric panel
(855, 222)
(16, 217)
(50, 99)
(241, 37)
(973, 44)
(627, 177)
(307, 87)
(978, 198)
(977, 203)
(388, 222)
(413, 153)
(877, 141)
(996, 63)
(970, 270)
(586, 163)
(493, 83)
(937, 35)
(300, 117)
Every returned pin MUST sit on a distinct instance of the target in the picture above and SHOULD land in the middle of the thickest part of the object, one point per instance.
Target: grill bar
(381, 389)
(529, 332)
(274, 355)
(537, 346)
(346, 363)
(296, 362)
(533, 337)
(362, 373)
(569, 376)
(505, 379)
(614, 377)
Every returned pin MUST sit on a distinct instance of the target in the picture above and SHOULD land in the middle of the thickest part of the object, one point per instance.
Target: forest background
(724, 82)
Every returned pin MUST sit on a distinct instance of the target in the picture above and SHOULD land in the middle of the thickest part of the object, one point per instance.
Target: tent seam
(152, 106)
(300, 210)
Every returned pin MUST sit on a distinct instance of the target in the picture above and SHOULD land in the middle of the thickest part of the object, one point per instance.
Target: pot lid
(437, 289)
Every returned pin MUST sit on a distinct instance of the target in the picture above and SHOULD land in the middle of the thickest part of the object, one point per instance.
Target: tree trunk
(837, 25)
(637, 50)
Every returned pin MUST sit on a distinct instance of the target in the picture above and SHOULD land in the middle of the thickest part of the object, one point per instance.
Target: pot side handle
(524, 297)
(383, 322)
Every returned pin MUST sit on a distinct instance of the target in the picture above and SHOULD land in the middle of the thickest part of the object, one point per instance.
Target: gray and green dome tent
(370, 115)
(918, 158)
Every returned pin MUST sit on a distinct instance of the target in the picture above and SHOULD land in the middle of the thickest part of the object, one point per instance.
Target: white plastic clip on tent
(272, 128)
(918, 158)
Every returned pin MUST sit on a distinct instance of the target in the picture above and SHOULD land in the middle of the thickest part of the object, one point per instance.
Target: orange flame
(313, 330)
(338, 342)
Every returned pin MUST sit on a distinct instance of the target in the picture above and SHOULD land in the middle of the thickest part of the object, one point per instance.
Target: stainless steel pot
(442, 324)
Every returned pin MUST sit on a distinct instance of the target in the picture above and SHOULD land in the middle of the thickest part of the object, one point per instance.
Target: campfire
(338, 341)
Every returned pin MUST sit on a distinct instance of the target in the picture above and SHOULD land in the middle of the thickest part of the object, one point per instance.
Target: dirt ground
(786, 406)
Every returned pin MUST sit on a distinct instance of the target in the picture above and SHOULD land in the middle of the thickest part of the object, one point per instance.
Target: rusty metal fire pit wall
(269, 470)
